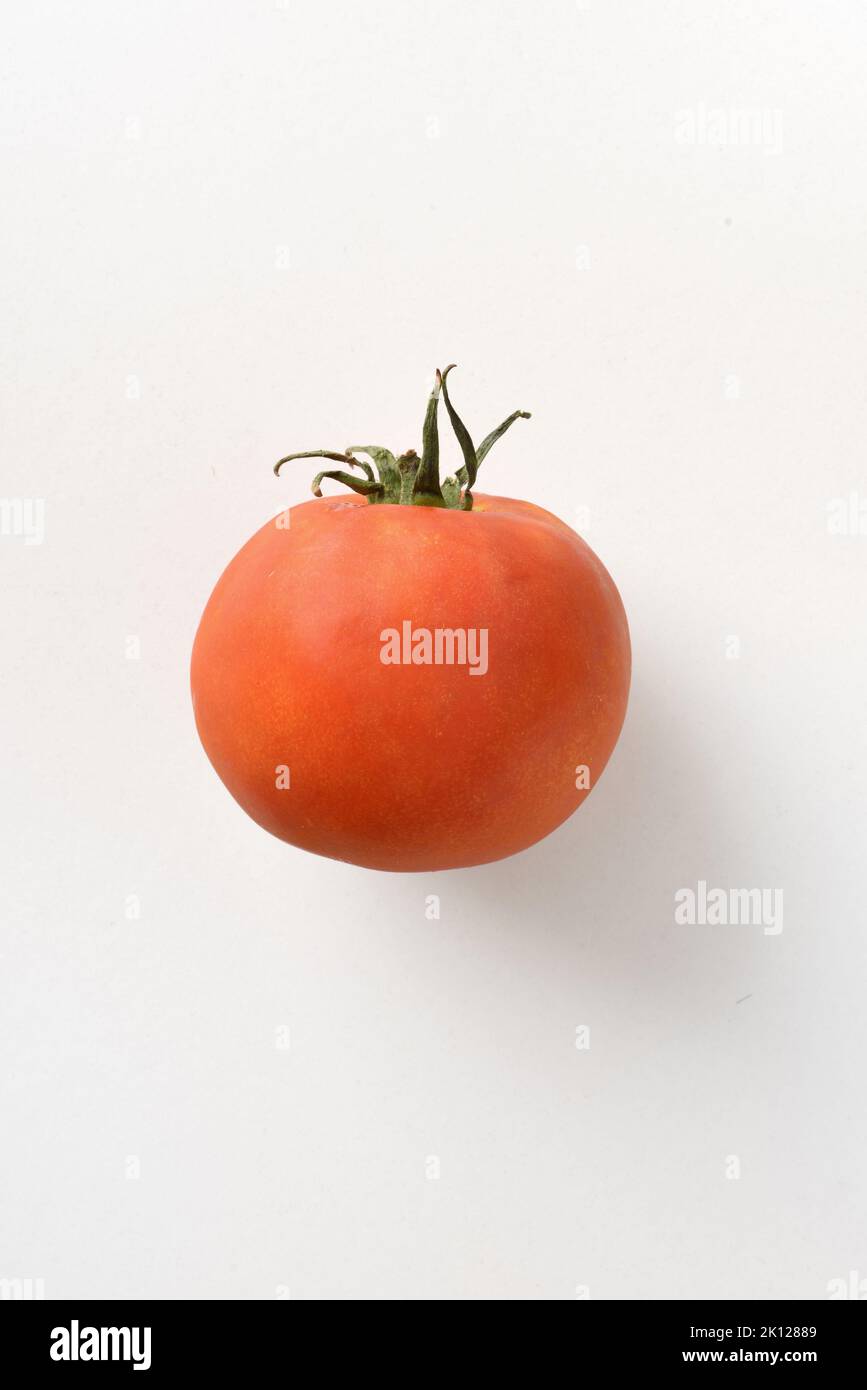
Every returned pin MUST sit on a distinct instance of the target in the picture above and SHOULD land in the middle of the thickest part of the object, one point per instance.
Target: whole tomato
(413, 677)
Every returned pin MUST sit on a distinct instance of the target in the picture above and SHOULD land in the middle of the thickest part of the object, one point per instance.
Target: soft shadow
(600, 890)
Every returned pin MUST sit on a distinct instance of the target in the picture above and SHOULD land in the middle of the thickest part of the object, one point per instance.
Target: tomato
(426, 685)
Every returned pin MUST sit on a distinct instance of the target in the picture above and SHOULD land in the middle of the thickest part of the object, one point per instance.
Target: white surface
(511, 187)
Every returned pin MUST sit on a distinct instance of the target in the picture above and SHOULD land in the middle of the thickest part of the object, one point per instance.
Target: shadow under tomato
(597, 897)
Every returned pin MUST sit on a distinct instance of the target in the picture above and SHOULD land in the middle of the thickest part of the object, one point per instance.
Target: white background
(235, 229)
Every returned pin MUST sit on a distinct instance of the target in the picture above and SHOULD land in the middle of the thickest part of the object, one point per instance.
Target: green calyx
(409, 480)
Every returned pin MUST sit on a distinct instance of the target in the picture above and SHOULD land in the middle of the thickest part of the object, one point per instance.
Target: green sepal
(326, 454)
(467, 447)
(375, 492)
(426, 490)
(491, 439)
(451, 491)
(386, 467)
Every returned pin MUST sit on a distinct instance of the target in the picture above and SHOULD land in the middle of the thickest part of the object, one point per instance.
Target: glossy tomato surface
(419, 765)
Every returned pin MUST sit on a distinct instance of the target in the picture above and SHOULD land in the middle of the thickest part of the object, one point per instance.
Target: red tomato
(412, 687)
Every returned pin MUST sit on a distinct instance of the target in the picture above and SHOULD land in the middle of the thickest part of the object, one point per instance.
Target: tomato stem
(408, 466)
(409, 480)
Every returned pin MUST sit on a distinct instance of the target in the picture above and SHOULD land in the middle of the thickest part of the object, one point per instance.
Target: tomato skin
(411, 767)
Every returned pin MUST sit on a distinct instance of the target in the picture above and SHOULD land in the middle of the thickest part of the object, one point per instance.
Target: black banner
(216, 1339)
